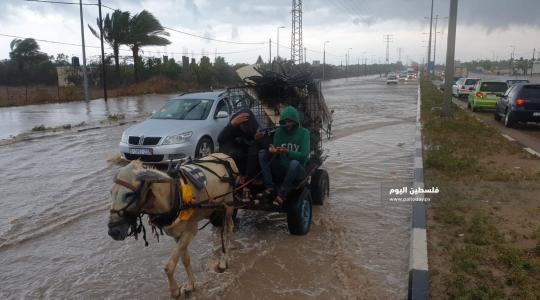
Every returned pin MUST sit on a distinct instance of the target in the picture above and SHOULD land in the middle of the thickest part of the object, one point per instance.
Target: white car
(392, 79)
(463, 87)
(186, 126)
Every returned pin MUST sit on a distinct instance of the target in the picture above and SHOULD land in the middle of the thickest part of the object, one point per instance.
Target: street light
(277, 45)
(324, 58)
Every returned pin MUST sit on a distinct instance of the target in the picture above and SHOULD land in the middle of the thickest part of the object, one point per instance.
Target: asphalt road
(526, 134)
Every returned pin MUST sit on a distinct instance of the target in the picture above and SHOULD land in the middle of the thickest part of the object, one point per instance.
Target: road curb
(418, 261)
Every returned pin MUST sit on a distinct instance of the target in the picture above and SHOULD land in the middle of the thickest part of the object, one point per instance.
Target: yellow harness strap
(187, 198)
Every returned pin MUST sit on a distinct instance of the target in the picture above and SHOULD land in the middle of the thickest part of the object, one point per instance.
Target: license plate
(141, 151)
(536, 114)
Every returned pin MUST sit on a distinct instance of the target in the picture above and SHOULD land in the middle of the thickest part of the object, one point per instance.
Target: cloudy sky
(486, 28)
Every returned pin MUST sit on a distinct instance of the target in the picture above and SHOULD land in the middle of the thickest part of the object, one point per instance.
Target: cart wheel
(319, 186)
(299, 212)
(216, 218)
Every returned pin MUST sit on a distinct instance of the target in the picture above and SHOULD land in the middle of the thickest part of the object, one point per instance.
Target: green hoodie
(297, 141)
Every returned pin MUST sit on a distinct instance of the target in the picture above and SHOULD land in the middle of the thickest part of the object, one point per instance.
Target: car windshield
(496, 87)
(531, 91)
(185, 109)
(471, 81)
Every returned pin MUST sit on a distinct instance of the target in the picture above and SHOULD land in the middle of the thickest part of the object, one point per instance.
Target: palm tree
(145, 30)
(115, 32)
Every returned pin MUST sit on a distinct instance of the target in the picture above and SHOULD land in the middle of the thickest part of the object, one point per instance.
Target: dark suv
(520, 103)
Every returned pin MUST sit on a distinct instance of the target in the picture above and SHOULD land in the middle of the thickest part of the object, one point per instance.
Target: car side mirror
(222, 114)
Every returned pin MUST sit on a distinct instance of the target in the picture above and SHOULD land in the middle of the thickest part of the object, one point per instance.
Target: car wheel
(319, 186)
(509, 119)
(299, 212)
(204, 148)
(496, 116)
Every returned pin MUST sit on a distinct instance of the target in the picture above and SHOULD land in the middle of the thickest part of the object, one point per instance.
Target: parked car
(512, 82)
(186, 126)
(463, 86)
(485, 94)
(454, 80)
(520, 103)
(392, 78)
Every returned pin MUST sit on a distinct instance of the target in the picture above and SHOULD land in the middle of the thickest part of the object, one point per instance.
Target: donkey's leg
(228, 227)
(180, 250)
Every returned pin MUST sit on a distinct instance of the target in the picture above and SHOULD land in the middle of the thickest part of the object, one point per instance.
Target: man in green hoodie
(288, 155)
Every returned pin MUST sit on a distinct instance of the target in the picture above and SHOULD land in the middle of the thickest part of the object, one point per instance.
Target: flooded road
(54, 242)
(20, 119)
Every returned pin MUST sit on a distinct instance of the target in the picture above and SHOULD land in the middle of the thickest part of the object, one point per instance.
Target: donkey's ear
(151, 176)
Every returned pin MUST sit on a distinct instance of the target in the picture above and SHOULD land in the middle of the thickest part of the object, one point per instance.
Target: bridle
(138, 194)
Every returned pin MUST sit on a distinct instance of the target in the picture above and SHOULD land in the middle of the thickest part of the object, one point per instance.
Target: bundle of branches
(282, 86)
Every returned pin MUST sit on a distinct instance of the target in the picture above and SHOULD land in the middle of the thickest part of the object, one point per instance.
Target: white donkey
(138, 190)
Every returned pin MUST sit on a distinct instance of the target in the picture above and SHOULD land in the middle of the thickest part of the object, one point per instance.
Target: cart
(265, 93)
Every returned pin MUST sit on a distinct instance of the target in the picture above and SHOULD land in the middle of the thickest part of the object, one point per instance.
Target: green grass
(479, 259)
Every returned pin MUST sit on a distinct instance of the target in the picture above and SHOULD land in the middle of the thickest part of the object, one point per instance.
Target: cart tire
(299, 212)
(319, 186)
(216, 218)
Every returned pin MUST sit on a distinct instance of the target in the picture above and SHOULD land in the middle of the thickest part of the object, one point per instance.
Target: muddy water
(20, 119)
(54, 243)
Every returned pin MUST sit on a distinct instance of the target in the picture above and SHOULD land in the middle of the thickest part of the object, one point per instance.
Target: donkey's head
(129, 194)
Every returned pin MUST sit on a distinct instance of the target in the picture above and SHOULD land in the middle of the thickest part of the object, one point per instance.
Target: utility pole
(399, 54)
(450, 51)
(532, 62)
(388, 40)
(435, 41)
(305, 55)
(277, 44)
(429, 44)
(85, 76)
(324, 58)
(270, 51)
(347, 62)
(296, 32)
(103, 72)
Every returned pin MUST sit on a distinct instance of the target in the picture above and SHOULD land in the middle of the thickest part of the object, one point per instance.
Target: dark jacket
(235, 141)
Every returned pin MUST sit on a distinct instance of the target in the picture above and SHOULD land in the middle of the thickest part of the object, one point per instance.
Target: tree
(224, 74)
(144, 30)
(205, 72)
(259, 61)
(26, 53)
(115, 33)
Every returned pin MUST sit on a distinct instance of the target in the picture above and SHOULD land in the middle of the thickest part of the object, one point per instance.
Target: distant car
(392, 79)
(463, 86)
(485, 94)
(186, 126)
(512, 82)
(402, 76)
(520, 103)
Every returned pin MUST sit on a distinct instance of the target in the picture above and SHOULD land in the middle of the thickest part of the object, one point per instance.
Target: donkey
(138, 190)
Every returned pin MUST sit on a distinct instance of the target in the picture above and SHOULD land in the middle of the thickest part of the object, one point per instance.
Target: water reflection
(20, 119)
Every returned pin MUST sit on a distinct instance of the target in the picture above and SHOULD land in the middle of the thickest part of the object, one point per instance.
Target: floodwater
(21, 119)
(53, 221)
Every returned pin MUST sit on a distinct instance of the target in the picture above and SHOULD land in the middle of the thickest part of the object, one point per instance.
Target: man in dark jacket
(239, 139)
(288, 155)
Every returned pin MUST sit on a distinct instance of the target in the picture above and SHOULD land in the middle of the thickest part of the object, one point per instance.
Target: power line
(215, 40)
(69, 3)
(172, 29)
(109, 48)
